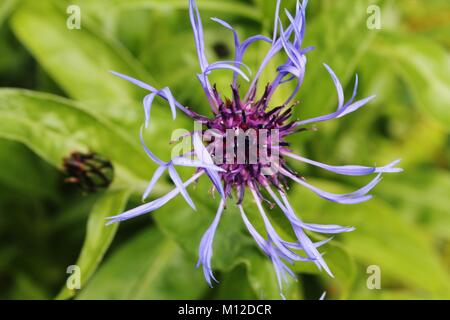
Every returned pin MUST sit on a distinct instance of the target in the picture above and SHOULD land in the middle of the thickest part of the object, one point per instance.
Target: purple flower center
(247, 137)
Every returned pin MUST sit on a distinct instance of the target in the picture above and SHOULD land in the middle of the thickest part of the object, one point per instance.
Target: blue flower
(258, 174)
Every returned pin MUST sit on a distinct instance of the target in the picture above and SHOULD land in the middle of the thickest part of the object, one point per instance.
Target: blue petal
(326, 228)
(197, 28)
(148, 101)
(222, 65)
(147, 150)
(350, 170)
(179, 183)
(338, 86)
(158, 173)
(168, 95)
(135, 81)
(271, 231)
(203, 155)
(206, 246)
(350, 198)
(153, 205)
(343, 109)
(185, 162)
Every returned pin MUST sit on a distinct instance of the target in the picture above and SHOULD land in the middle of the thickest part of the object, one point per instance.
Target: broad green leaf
(187, 227)
(32, 178)
(149, 266)
(80, 60)
(381, 238)
(231, 6)
(262, 278)
(425, 67)
(6, 7)
(54, 127)
(234, 286)
(98, 236)
(422, 197)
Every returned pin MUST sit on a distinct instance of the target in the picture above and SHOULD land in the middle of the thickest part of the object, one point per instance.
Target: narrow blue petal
(350, 170)
(185, 162)
(205, 251)
(327, 228)
(355, 106)
(135, 81)
(153, 205)
(277, 17)
(355, 91)
(197, 28)
(343, 109)
(179, 183)
(158, 173)
(273, 236)
(168, 95)
(350, 198)
(162, 93)
(271, 251)
(148, 101)
(147, 150)
(338, 86)
(221, 66)
(204, 156)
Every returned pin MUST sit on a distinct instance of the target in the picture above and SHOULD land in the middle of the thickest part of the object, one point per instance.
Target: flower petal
(186, 162)
(205, 250)
(204, 156)
(197, 28)
(153, 205)
(147, 150)
(349, 170)
(179, 183)
(168, 95)
(148, 101)
(350, 198)
(273, 236)
(158, 173)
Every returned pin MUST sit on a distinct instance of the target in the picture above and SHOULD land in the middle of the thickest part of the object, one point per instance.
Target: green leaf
(54, 127)
(79, 60)
(235, 7)
(263, 280)
(6, 7)
(381, 238)
(98, 236)
(149, 266)
(425, 67)
(25, 174)
(234, 286)
(422, 197)
(181, 223)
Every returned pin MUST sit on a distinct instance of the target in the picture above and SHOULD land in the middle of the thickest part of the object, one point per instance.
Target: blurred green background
(57, 96)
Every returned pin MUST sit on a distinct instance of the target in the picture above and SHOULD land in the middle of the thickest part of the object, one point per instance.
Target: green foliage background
(57, 96)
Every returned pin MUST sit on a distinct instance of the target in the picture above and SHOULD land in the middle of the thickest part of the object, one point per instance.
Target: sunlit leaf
(149, 266)
(98, 236)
